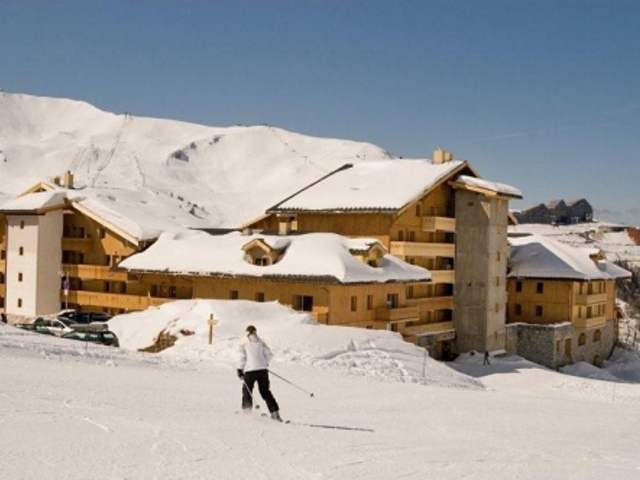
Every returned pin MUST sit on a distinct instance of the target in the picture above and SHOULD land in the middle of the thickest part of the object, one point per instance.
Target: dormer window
(258, 252)
(369, 254)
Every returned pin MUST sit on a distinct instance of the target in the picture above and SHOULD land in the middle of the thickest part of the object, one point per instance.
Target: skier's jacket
(253, 354)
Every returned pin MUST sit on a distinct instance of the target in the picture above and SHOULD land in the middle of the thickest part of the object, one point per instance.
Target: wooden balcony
(112, 300)
(94, 272)
(395, 315)
(432, 303)
(76, 244)
(592, 322)
(438, 224)
(415, 249)
(430, 329)
(591, 299)
(443, 276)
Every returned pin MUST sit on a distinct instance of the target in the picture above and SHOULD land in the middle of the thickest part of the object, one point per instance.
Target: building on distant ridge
(557, 212)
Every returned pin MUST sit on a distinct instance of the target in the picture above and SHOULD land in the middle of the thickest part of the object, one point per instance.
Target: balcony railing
(443, 276)
(438, 224)
(429, 329)
(76, 243)
(592, 322)
(399, 314)
(112, 300)
(415, 249)
(591, 299)
(94, 272)
(432, 303)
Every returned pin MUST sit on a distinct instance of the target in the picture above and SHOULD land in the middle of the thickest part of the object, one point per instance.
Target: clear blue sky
(543, 95)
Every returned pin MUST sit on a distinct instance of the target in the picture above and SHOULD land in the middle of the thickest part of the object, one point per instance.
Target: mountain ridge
(232, 174)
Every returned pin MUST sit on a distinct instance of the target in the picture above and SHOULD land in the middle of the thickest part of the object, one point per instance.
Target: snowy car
(93, 333)
(49, 326)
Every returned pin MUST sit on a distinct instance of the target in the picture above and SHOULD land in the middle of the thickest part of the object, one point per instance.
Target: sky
(542, 95)
(362, 404)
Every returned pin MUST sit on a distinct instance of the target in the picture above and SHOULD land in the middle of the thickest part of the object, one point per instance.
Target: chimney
(441, 156)
(67, 180)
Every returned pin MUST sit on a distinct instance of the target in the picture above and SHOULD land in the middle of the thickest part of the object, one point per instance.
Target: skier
(254, 357)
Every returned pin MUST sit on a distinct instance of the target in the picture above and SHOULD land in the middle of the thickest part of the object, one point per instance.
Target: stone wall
(557, 345)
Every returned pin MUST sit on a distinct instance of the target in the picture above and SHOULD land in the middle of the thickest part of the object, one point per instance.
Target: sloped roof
(137, 216)
(489, 186)
(375, 186)
(322, 257)
(536, 256)
(35, 203)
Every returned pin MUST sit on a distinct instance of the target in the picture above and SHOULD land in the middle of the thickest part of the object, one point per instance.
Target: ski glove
(240, 373)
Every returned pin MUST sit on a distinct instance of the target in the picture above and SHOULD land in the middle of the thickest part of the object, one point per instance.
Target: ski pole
(290, 383)
(253, 398)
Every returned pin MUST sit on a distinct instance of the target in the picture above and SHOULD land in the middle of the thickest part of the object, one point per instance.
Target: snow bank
(294, 337)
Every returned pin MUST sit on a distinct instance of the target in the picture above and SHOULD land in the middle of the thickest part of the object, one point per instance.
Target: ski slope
(77, 411)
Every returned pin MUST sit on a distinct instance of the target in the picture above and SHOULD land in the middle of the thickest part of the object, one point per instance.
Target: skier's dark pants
(262, 377)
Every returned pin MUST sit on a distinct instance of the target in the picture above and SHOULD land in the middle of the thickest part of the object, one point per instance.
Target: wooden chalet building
(562, 302)
(435, 214)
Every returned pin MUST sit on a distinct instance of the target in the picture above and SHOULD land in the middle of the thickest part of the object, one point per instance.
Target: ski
(318, 425)
(331, 427)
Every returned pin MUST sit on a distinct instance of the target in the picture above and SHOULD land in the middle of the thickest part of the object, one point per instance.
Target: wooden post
(212, 323)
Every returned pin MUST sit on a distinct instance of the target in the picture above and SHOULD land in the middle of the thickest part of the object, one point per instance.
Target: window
(19, 303)
(392, 300)
(518, 309)
(259, 296)
(369, 302)
(153, 290)
(418, 210)
(233, 295)
(21, 224)
(262, 261)
(597, 335)
(354, 303)
(538, 310)
(21, 251)
(497, 281)
(518, 286)
(303, 303)
(1, 277)
(410, 292)
(411, 236)
(539, 287)
(102, 232)
(20, 276)
(401, 236)
(173, 291)
(3, 254)
(582, 339)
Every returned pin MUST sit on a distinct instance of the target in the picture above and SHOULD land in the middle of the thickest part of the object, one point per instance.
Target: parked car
(49, 326)
(93, 333)
(84, 317)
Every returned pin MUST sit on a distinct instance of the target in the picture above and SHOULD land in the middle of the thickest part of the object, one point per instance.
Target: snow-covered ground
(71, 410)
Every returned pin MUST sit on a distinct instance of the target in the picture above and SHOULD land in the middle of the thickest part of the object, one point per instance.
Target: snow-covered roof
(320, 256)
(35, 202)
(380, 185)
(498, 188)
(536, 256)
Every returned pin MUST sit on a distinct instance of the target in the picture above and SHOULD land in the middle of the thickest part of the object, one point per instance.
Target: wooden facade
(422, 233)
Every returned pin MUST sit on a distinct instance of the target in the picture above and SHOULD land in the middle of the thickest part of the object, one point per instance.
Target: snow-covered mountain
(225, 176)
